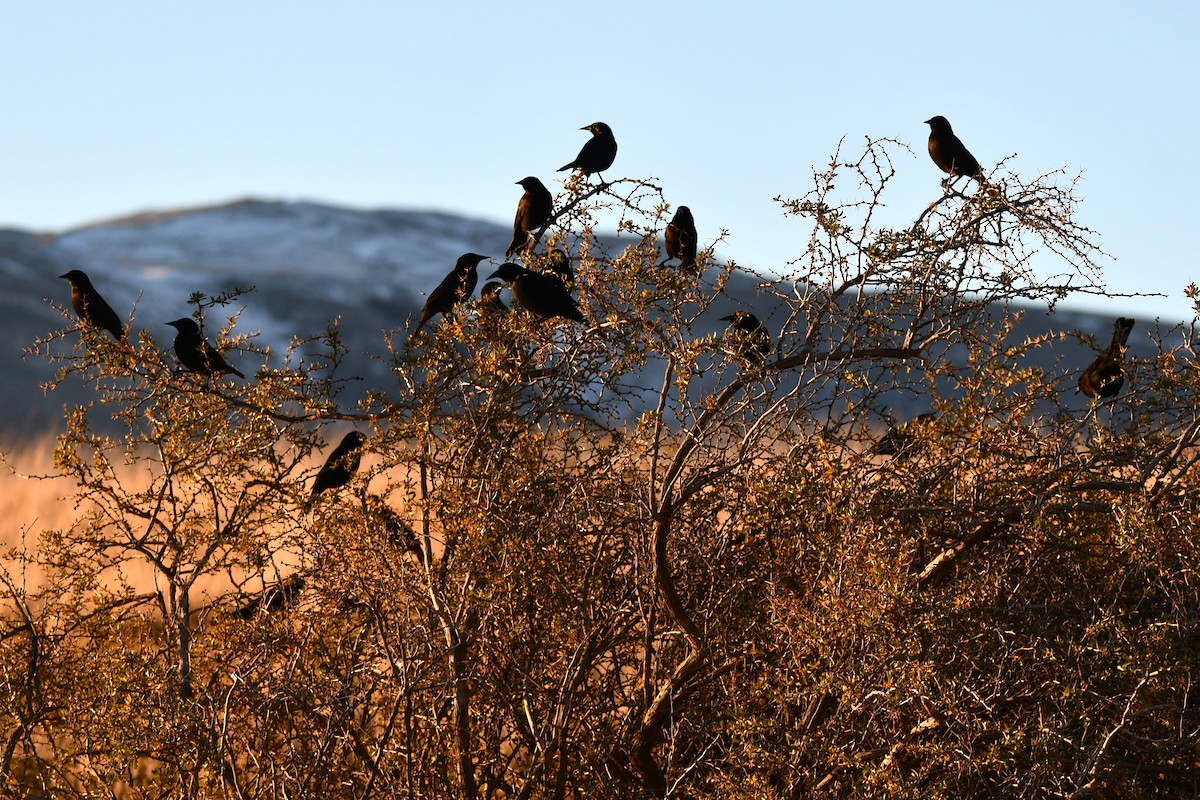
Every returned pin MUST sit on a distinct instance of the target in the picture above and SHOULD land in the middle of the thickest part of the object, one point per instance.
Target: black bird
(396, 531)
(681, 237)
(747, 338)
(196, 354)
(339, 468)
(559, 263)
(597, 153)
(489, 298)
(275, 597)
(949, 153)
(533, 211)
(901, 440)
(1105, 376)
(90, 306)
(542, 295)
(454, 289)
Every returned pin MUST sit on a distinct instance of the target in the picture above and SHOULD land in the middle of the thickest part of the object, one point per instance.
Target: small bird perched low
(949, 153)
(339, 468)
(455, 288)
(197, 355)
(91, 307)
(901, 440)
(747, 338)
(543, 295)
(680, 237)
(533, 211)
(489, 298)
(1105, 376)
(597, 153)
(559, 263)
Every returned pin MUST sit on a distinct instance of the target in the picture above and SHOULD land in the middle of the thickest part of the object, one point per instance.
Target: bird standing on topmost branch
(597, 153)
(90, 306)
(949, 153)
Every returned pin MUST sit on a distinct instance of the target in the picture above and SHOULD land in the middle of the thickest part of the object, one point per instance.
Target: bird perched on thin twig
(902, 440)
(541, 294)
(91, 307)
(559, 263)
(746, 338)
(1105, 376)
(197, 355)
(597, 153)
(339, 468)
(533, 211)
(680, 237)
(489, 298)
(396, 531)
(949, 153)
(454, 289)
(275, 597)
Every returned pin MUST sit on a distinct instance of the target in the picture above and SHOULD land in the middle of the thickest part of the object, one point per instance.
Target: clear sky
(121, 106)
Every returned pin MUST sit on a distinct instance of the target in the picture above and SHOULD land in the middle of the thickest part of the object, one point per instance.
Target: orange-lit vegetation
(611, 560)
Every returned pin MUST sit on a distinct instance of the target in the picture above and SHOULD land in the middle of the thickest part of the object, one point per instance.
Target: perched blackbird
(559, 263)
(542, 295)
(90, 306)
(901, 440)
(948, 151)
(454, 289)
(1105, 376)
(533, 211)
(197, 355)
(747, 338)
(397, 532)
(597, 153)
(340, 467)
(275, 597)
(681, 237)
(489, 298)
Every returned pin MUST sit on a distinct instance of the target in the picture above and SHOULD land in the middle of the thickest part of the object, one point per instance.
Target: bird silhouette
(533, 211)
(746, 338)
(948, 151)
(902, 440)
(454, 289)
(197, 355)
(339, 468)
(541, 294)
(396, 531)
(489, 298)
(597, 153)
(680, 237)
(558, 263)
(1105, 376)
(90, 307)
(275, 597)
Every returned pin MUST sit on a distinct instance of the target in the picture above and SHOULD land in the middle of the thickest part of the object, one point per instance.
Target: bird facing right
(533, 211)
(680, 237)
(197, 355)
(948, 151)
(90, 306)
(1105, 376)
(597, 153)
(454, 289)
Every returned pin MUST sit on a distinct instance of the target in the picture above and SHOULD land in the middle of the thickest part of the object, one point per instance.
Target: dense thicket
(524, 595)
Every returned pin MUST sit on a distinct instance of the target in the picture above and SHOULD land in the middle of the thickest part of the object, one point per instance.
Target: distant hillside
(309, 264)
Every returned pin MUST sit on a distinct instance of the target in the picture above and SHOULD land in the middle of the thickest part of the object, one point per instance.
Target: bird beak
(929, 121)
(586, 128)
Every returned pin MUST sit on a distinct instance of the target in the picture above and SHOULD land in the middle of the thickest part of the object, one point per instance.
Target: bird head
(743, 320)
(597, 128)
(491, 290)
(683, 214)
(508, 272)
(77, 277)
(529, 182)
(185, 325)
(353, 439)
(938, 123)
(470, 260)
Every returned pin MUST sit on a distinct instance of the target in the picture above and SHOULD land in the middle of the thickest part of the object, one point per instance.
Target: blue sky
(117, 107)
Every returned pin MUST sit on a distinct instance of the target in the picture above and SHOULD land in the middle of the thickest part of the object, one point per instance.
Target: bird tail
(1121, 330)
(237, 372)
